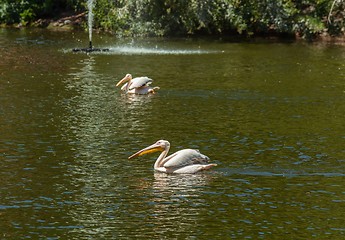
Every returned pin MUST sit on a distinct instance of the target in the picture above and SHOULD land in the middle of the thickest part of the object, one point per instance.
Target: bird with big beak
(138, 85)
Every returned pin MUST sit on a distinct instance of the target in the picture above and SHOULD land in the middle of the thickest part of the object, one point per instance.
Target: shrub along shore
(308, 19)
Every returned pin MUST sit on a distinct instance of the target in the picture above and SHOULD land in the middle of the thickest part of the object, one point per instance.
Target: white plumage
(138, 85)
(183, 161)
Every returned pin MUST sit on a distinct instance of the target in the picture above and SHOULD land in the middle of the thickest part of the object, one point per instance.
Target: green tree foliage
(25, 11)
(306, 18)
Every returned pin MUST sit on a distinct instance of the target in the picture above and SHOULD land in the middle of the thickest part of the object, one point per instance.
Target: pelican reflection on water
(183, 161)
(138, 85)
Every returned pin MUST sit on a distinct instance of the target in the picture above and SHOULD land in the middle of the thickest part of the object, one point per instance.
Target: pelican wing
(185, 157)
(139, 82)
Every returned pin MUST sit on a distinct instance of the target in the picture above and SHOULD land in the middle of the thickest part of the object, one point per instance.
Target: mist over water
(132, 50)
(144, 49)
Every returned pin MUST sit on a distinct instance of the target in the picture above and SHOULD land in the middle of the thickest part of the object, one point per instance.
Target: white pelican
(138, 85)
(183, 161)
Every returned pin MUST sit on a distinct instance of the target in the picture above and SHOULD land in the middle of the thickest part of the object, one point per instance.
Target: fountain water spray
(90, 5)
(90, 20)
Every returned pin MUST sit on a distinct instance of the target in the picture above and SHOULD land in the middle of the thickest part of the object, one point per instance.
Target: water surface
(271, 115)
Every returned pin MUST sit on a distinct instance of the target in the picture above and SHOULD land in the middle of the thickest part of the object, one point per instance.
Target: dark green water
(271, 115)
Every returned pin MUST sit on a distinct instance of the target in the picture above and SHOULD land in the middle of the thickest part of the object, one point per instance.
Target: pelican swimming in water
(138, 85)
(183, 161)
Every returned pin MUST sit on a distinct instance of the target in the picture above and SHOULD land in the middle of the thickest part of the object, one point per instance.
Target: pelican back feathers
(139, 82)
(185, 157)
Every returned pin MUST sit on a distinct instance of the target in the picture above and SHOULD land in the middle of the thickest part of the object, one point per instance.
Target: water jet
(90, 5)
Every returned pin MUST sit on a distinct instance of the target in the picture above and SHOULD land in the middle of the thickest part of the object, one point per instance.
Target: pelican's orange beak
(150, 149)
(123, 80)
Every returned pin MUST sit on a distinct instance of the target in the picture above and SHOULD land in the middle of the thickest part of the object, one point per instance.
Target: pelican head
(158, 146)
(127, 78)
